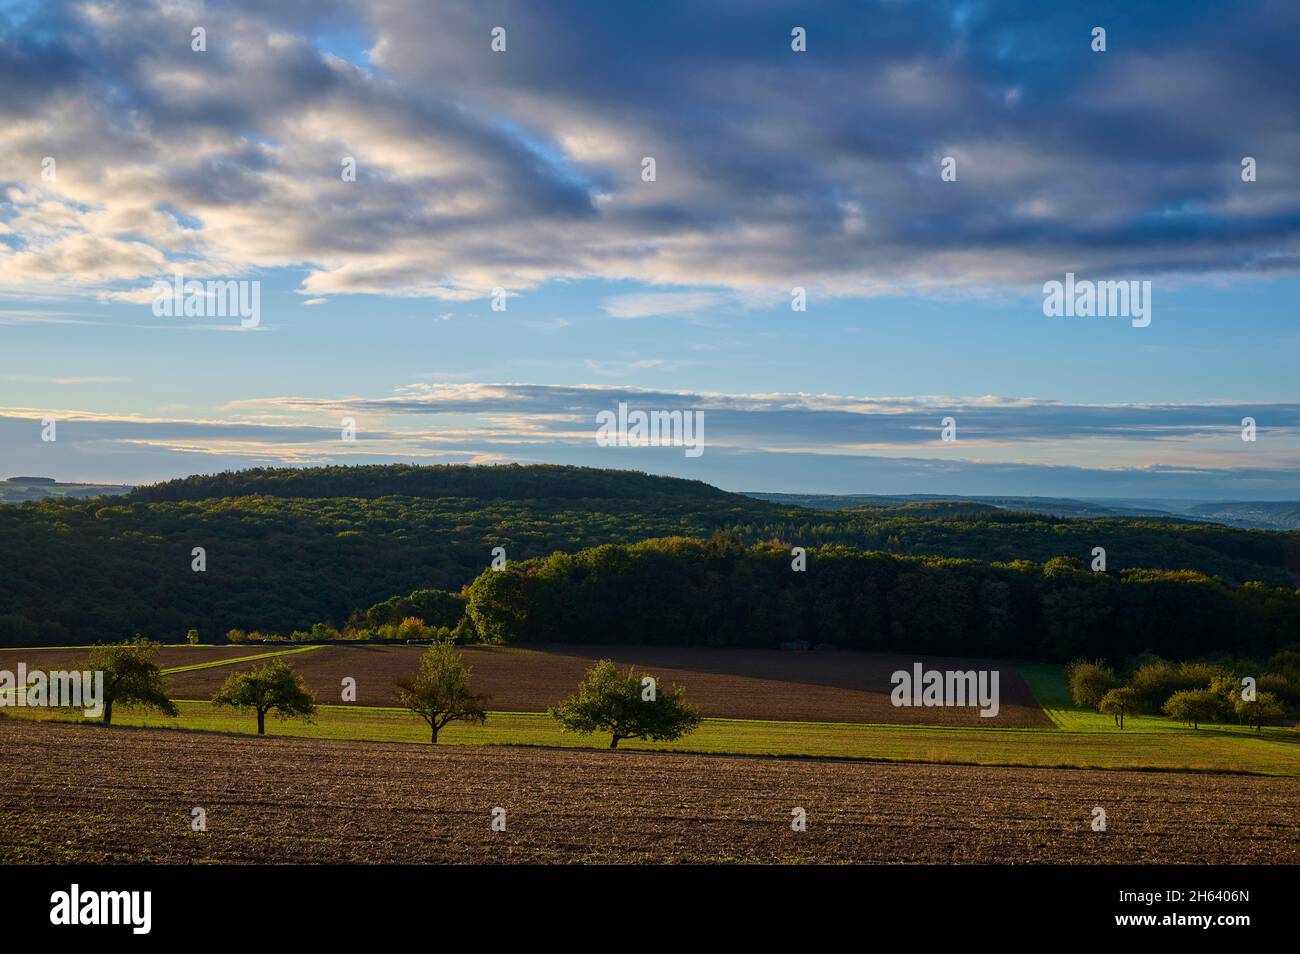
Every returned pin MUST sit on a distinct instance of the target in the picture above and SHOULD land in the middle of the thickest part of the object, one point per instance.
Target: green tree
(131, 676)
(273, 687)
(439, 691)
(1263, 708)
(1119, 703)
(1194, 706)
(192, 637)
(1089, 681)
(628, 704)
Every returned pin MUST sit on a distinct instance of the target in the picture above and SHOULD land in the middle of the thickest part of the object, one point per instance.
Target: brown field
(168, 656)
(727, 683)
(81, 793)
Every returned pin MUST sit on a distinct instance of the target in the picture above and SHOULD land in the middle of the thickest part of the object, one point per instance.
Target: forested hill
(500, 482)
(288, 548)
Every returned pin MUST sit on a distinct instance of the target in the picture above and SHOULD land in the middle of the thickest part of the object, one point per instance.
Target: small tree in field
(439, 690)
(1089, 681)
(1118, 703)
(627, 706)
(131, 676)
(1263, 708)
(1194, 706)
(192, 637)
(273, 687)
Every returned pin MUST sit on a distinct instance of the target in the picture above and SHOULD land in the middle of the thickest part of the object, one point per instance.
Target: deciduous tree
(275, 687)
(439, 691)
(625, 705)
(131, 676)
(1119, 703)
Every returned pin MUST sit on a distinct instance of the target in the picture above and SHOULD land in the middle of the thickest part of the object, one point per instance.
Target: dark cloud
(774, 168)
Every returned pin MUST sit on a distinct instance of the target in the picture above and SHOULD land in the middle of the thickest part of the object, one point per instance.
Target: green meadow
(1094, 743)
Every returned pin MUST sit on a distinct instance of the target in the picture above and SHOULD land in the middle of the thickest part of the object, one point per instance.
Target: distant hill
(494, 482)
(1265, 515)
(18, 489)
(286, 548)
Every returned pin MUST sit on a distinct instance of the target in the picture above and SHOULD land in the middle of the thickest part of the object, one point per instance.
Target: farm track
(81, 793)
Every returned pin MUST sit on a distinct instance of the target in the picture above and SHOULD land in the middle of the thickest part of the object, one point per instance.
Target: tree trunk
(434, 740)
(261, 722)
(108, 712)
(613, 743)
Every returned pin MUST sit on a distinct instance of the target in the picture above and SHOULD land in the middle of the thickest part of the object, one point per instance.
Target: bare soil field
(168, 656)
(724, 683)
(82, 793)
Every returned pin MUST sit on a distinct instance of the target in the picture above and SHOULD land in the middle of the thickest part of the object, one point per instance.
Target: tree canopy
(131, 677)
(439, 691)
(273, 687)
(287, 549)
(627, 704)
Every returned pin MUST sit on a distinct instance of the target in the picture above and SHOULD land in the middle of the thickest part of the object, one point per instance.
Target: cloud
(1196, 447)
(646, 304)
(477, 170)
(794, 443)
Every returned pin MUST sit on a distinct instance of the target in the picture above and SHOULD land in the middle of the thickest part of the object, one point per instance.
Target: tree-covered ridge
(493, 482)
(81, 571)
(717, 592)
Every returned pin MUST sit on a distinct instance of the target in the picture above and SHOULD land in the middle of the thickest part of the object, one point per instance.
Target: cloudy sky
(128, 156)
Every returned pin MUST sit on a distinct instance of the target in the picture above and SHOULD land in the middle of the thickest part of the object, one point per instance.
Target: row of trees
(1192, 692)
(718, 592)
(625, 703)
(132, 677)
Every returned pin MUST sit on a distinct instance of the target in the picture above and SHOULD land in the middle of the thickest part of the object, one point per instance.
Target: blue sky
(775, 169)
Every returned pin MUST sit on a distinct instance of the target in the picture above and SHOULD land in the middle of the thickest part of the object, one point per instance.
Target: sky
(133, 149)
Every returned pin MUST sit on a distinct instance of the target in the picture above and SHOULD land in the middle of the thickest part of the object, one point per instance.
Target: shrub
(1089, 681)
(1194, 706)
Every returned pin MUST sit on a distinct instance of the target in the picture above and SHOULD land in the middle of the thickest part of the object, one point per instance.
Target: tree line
(720, 592)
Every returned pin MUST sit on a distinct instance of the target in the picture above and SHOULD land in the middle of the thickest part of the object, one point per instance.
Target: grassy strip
(1179, 749)
(212, 664)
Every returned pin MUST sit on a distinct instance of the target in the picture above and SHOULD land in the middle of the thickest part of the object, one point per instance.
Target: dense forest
(718, 592)
(287, 548)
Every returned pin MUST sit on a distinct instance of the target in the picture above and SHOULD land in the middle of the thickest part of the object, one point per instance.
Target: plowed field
(727, 683)
(81, 793)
